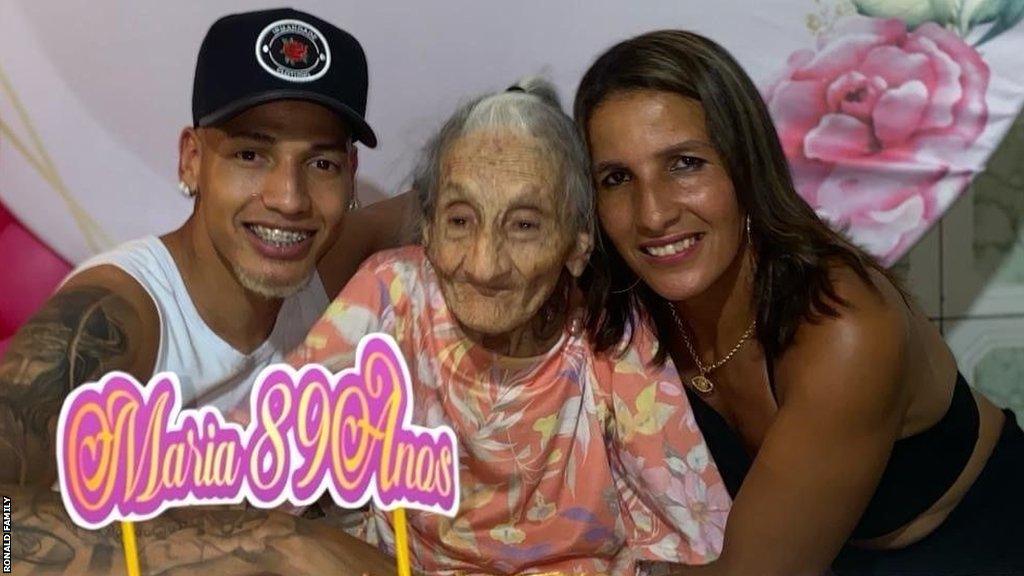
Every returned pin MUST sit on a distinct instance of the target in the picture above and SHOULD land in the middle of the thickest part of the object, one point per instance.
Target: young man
(278, 105)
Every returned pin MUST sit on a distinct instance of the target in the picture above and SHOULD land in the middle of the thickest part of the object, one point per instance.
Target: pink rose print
(875, 124)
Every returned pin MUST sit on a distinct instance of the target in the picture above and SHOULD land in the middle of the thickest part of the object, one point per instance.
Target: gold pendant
(702, 384)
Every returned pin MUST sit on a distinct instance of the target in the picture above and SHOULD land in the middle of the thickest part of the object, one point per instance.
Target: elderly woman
(482, 314)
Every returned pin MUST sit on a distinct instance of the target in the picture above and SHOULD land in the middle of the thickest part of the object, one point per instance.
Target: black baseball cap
(258, 57)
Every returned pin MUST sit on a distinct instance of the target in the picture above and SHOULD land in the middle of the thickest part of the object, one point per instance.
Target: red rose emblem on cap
(294, 51)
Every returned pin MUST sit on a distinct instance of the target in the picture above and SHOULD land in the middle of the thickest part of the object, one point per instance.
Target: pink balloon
(29, 272)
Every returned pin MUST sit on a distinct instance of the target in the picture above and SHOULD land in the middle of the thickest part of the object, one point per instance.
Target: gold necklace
(701, 383)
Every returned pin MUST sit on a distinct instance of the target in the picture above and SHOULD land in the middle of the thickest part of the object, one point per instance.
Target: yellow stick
(131, 551)
(402, 543)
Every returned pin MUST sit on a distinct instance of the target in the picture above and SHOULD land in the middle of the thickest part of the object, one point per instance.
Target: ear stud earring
(185, 190)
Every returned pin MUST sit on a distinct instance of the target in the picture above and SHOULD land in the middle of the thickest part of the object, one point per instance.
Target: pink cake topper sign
(128, 452)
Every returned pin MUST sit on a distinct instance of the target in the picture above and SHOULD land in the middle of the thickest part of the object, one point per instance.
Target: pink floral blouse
(569, 462)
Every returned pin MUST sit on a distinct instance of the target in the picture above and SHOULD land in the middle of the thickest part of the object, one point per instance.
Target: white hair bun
(541, 88)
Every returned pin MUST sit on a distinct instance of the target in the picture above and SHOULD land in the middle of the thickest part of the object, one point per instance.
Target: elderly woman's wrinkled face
(498, 237)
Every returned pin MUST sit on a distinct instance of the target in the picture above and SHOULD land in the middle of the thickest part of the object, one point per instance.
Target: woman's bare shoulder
(858, 351)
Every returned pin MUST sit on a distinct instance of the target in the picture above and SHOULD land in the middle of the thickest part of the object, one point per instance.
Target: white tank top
(212, 372)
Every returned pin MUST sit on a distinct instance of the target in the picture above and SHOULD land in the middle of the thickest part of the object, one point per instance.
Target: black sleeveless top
(920, 470)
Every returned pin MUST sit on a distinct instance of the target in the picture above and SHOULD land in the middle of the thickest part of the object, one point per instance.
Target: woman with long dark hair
(830, 403)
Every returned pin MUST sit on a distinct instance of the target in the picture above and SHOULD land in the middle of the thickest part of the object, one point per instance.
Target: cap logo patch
(293, 50)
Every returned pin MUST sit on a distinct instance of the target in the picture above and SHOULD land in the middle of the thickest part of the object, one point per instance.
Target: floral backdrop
(886, 109)
(878, 118)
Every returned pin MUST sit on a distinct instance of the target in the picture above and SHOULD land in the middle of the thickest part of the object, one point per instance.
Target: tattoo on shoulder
(78, 336)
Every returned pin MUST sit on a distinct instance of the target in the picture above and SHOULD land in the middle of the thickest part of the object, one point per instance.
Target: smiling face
(498, 237)
(273, 185)
(664, 195)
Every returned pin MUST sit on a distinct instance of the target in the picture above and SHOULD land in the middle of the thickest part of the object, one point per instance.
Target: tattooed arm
(101, 320)
(223, 541)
